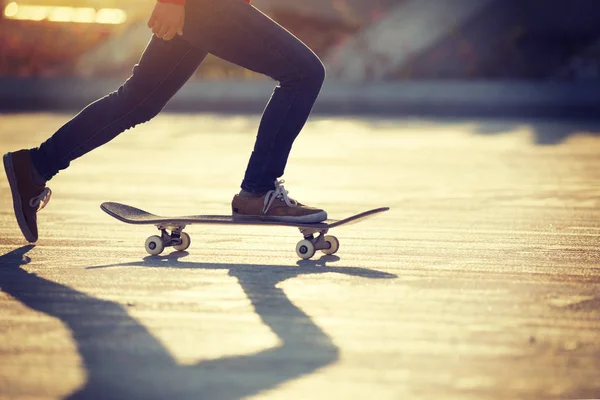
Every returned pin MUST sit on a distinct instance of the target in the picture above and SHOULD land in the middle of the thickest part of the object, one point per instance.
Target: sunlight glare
(29, 12)
(32, 13)
(61, 14)
(11, 10)
(111, 16)
(84, 15)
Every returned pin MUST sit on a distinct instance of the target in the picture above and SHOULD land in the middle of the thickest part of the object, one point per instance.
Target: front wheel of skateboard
(185, 242)
(305, 249)
(154, 245)
(334, 245)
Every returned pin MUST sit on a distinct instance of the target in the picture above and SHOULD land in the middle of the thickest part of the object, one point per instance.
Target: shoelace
(278, 193)
(38, 202)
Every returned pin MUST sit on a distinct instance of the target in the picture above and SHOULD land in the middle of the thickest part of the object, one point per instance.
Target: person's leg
(164, 67)
(162, 70)
(239, 33)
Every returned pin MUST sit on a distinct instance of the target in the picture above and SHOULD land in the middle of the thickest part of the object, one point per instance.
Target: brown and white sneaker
(275, 205)
(28, 197)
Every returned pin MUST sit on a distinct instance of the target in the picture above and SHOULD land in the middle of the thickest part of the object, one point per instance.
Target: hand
(167, 20)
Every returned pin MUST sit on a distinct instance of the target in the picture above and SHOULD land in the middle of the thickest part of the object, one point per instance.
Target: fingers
(155, 26)
(166, 22)
(165, 31)
(152, 20)
(170, 34)
(180, 27)
(161, 31)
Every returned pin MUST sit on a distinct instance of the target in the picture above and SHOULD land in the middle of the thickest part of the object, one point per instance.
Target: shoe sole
(304, 219)
(17, 201)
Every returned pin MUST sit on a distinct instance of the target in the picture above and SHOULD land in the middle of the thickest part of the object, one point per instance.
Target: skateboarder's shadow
(123, 360)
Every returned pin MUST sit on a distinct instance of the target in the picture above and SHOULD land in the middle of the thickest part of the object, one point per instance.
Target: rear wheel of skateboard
(185, 242)
(305, 249)
(154, 245)
(334, 245)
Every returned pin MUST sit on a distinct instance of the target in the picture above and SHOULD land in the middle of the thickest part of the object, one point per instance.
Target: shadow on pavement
(546, 132)
(124, 361)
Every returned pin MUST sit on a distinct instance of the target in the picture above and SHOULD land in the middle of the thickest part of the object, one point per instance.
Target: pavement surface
(482, 282)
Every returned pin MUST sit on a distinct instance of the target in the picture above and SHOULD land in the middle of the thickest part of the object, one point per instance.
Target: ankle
(38, 179)
(245, 194)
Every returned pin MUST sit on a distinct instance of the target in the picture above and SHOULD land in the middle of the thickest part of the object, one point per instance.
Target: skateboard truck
(177, 239)
(307, 248)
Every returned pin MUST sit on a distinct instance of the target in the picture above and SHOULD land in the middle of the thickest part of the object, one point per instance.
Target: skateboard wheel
(305, 249)
(334, 244)
(154, 245)
(185, 242)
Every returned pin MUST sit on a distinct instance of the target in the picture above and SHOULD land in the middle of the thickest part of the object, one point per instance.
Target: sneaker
(28, 197)
(275, 205)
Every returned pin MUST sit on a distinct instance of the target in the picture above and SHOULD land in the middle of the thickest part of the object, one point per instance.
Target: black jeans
(232, 30)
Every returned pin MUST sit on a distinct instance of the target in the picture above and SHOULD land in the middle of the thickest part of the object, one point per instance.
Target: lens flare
(113, 16)
(11, 10)
(61, 14)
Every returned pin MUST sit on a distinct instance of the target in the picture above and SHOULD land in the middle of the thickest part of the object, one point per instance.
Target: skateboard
(172, 235)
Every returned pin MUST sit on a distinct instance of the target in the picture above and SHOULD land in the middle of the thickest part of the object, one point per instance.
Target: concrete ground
(482, 282)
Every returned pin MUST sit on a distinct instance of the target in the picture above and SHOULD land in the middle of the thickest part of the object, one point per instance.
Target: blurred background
(90, 46)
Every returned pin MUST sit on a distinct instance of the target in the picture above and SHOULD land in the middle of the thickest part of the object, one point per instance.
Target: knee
(138, 104)
(146, 112)
(307, 75)
(316, 73)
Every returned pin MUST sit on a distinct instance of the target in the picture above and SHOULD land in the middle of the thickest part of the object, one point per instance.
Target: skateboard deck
(180, 240)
